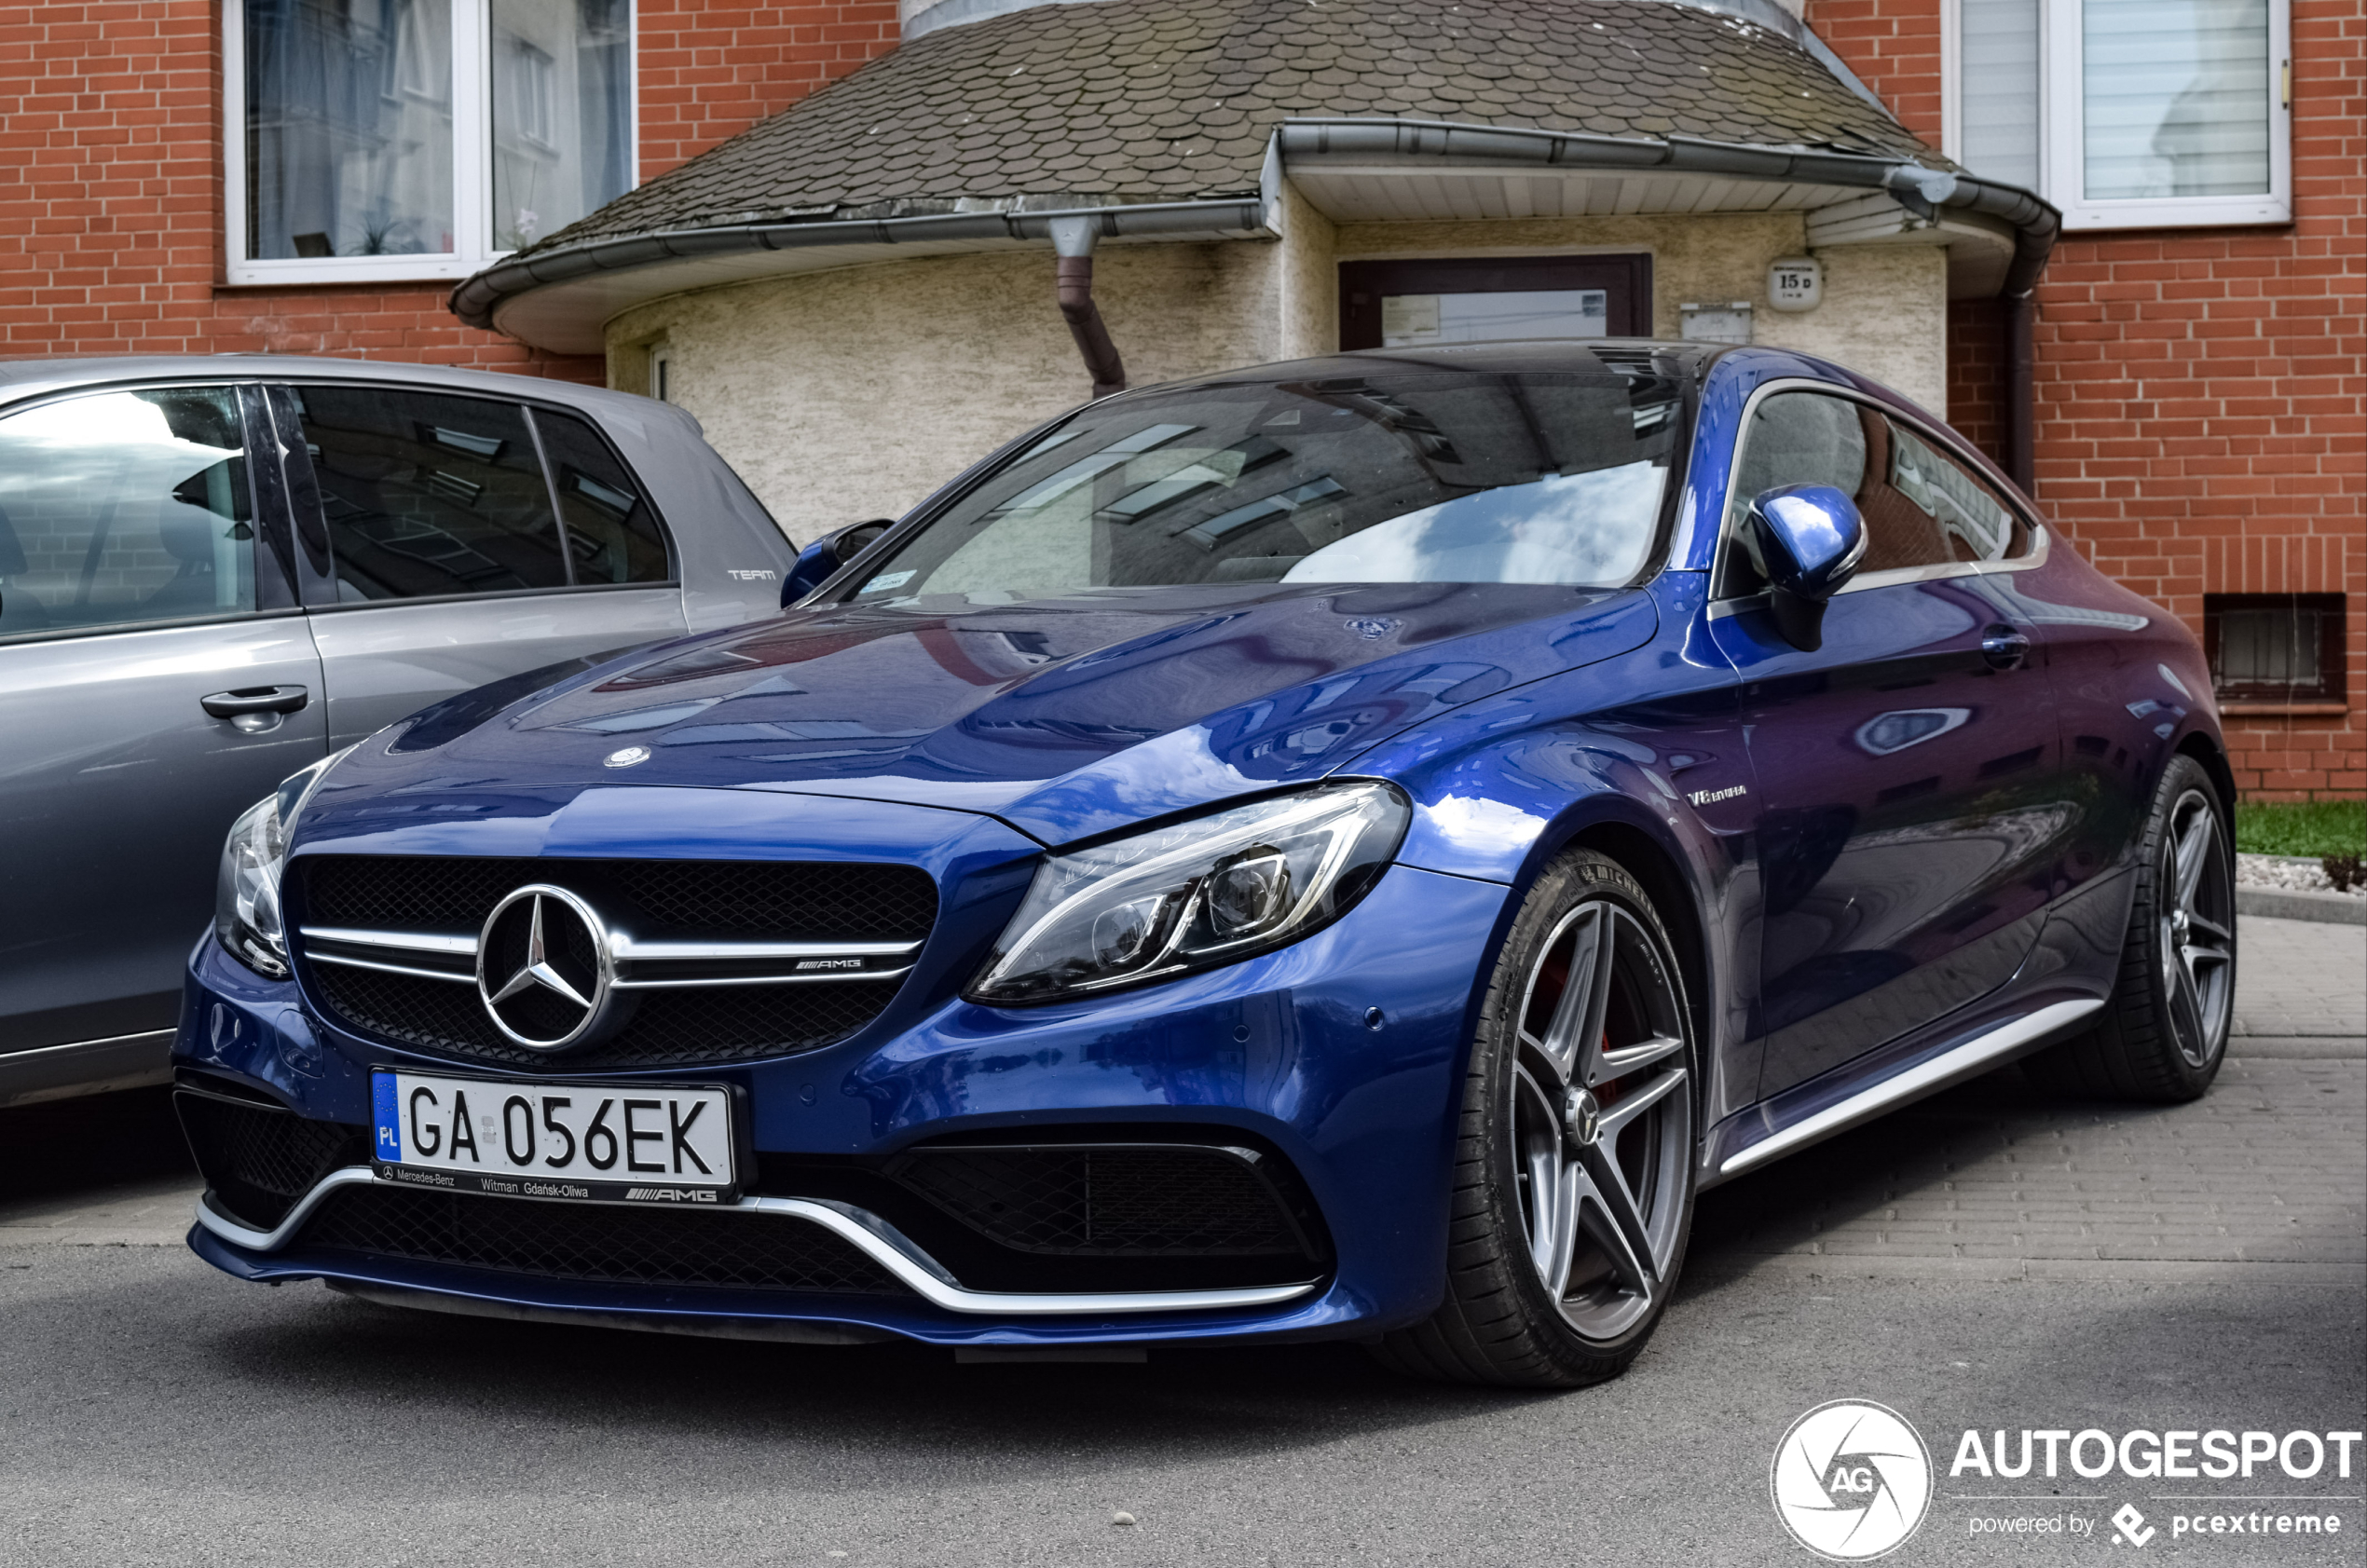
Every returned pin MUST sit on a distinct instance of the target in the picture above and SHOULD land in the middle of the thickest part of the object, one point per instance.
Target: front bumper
(1277, 1050)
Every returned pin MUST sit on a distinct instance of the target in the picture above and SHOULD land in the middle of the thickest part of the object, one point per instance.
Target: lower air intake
(1112, 1200)
(600, 1243)
(258, 1159)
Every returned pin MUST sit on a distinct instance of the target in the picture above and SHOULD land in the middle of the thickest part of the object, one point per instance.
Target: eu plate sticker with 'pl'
(389, 1120)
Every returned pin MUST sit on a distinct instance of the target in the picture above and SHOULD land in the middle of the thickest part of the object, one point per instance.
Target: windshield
(1428, 478)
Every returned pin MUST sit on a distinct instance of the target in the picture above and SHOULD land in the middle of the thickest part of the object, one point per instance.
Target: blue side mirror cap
(1806, 541)
(820, 561)
(814, 564)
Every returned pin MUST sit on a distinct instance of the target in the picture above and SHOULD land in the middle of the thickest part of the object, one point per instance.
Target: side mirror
(1806, 541)
(818, 561)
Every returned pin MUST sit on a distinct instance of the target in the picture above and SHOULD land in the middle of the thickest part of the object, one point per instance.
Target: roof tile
(1161, 97)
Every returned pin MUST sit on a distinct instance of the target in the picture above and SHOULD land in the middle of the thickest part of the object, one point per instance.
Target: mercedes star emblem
(544, 969)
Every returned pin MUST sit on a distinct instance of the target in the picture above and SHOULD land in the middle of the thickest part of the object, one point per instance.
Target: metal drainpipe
(1072, 241)
(2021, 464)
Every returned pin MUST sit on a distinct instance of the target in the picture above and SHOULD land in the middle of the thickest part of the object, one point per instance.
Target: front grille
(259, 1159)
(598, 1243)
(786, 901)
(688, 1028)
(1109, 1201)
(656, 900)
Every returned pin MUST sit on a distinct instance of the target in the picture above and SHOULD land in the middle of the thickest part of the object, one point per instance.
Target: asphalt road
(1988, 1260)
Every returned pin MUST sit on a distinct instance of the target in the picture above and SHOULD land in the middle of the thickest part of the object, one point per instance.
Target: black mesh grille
(598, 1243)
(706, 1025)
(259, 1160)
(1108, 1202)
(788, 901)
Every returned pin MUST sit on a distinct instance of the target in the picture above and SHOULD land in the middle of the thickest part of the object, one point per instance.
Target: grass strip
(2314, 828)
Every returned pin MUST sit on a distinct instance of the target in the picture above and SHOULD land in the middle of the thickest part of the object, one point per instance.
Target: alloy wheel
(2196, 900)
(1601, 1117)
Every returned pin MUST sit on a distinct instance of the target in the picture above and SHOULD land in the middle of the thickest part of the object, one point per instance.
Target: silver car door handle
(255, 700)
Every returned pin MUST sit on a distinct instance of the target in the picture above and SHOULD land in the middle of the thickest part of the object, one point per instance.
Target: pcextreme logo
(1852, 1481)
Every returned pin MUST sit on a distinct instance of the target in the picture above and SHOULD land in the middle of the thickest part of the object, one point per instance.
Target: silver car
(216, 570)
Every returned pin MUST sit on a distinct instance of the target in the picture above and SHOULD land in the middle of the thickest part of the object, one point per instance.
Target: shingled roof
(1124, 101)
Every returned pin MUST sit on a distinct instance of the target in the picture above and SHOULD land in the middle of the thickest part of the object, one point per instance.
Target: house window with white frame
(391, 138)
(2127, 114)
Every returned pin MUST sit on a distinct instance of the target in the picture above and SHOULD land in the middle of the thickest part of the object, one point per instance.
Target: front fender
(1503, 786)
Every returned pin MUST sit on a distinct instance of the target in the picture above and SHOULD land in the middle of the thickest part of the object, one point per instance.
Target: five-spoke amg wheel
(2164, 1034)
(1574, 1172)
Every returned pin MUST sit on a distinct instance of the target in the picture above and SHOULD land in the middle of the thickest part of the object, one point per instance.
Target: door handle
(2004, 647)
(255, 700)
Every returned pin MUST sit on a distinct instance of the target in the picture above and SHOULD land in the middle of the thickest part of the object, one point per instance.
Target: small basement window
(2275, 647)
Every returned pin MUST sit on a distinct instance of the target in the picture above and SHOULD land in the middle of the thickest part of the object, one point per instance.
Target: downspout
(1072, 241)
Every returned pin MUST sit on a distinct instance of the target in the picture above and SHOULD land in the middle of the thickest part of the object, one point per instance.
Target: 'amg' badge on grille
(545, 970)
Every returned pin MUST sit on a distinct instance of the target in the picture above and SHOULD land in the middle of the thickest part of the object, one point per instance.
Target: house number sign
(1795, 283)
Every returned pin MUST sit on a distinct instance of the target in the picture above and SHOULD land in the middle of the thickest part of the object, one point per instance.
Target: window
(2275, 647)
(1409, 304)
(428, 495)
(125, 508)
(418, 138)
(612, 535)
(2127, 113)
(1921, 506)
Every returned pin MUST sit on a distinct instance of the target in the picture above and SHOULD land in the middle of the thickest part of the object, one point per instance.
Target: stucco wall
(1884, 310)
(851, 394)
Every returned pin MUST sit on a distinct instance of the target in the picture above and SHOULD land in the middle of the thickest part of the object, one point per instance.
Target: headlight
(1197, 895)
(246, 893)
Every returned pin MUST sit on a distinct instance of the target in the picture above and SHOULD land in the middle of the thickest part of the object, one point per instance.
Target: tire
(2164, 1033)
(1591, 1098)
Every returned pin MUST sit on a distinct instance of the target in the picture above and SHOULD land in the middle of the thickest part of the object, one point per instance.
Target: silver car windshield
(1543, 478)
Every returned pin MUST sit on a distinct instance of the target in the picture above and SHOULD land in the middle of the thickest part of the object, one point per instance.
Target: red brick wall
(2201, 394)
(1894, 47)
(111, 177)
(709, 71)
(1976, 374)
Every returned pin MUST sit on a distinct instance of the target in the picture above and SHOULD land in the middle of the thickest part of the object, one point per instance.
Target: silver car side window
(429, 494)
(119, 508)
(612, 531)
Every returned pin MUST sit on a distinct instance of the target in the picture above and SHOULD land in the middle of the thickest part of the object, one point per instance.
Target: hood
(1062, 717)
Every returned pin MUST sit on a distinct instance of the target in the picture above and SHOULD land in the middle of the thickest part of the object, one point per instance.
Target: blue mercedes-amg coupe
(1344, 849)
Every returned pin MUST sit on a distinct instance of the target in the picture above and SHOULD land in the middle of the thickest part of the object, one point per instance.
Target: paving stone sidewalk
(2300, 980)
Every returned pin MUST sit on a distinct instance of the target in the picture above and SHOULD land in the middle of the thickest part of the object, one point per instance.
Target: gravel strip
(2287, 871)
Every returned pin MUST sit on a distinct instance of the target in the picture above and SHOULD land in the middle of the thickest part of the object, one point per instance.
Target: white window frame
(471, 161)
(2060, 154)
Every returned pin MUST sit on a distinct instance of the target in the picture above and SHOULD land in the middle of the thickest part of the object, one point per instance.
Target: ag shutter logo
(1851, 1480)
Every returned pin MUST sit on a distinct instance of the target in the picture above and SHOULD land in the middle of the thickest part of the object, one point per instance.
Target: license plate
(610, 1142)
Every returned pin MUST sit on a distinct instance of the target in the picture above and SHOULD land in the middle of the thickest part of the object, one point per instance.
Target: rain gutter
(1924, 191)
(477, 298)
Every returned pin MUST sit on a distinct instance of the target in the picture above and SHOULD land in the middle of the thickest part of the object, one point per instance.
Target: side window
(1793, 438)
(122, 508)
(611, 532)
(1975, 525)
(1921, 507)
(427, 494)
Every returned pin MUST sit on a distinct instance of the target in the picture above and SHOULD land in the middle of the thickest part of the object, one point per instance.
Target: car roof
(1568, 356)
(24, 378)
